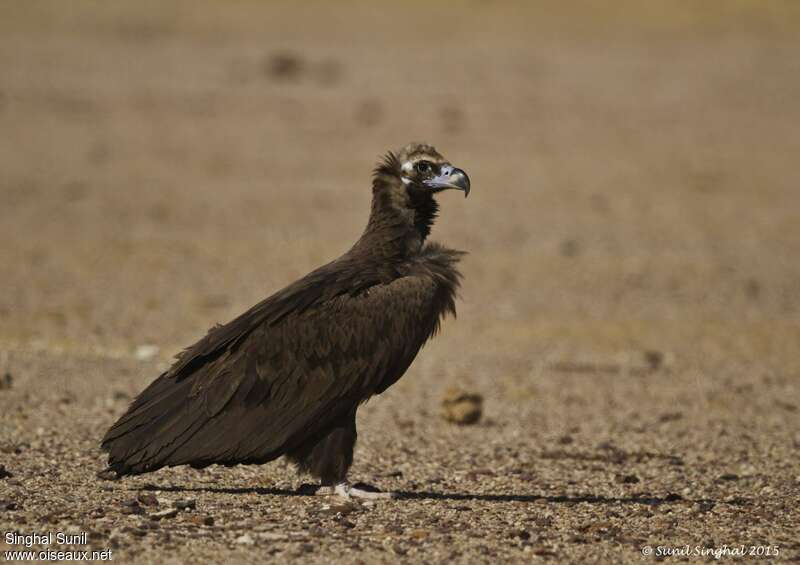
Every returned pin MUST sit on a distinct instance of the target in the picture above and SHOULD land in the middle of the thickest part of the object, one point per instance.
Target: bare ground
(631, 306)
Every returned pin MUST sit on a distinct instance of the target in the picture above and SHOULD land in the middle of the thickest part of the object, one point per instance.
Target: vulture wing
(261, 385)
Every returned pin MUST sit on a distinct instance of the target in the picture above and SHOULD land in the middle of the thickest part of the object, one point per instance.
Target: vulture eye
(423, 167)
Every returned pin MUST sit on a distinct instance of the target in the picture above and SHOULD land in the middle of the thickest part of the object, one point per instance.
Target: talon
(325, 491)
(348, 491)
(344, 490)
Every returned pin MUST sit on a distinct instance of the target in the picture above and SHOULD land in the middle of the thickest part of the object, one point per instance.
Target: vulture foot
(347, 491)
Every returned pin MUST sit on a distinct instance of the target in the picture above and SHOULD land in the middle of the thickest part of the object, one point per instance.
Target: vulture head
(424, 170)
(404, 187)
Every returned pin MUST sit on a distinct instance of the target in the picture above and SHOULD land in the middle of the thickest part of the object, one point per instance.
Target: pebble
(147, 498)
(343, 508)
(272, 536)
(201, 520)
(169, 513)
(245, 539)
(132, 507)
(186, 504)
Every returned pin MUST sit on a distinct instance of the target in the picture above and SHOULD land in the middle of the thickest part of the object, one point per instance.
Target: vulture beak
(449, 177)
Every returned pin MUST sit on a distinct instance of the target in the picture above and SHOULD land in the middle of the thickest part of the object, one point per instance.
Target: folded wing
(276, 376)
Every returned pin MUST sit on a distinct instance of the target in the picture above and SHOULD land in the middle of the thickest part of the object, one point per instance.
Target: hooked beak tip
(450, 178)
(460, 180)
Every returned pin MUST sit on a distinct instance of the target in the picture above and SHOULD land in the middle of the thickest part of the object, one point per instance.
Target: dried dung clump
(462, 407)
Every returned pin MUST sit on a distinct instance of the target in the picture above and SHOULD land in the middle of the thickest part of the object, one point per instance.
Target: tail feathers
(167, 425)
(157, 423)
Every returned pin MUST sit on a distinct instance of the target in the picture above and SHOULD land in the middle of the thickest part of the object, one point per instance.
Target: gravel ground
(631, 305)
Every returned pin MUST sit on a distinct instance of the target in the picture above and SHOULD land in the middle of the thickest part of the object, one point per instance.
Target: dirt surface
(631, 305)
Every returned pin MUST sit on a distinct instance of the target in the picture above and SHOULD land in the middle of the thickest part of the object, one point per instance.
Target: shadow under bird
(287, 376)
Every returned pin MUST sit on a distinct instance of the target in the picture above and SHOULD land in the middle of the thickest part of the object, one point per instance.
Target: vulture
(286, 377)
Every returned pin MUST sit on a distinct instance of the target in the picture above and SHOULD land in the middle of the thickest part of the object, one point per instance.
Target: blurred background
(165, 165)
(630, 314)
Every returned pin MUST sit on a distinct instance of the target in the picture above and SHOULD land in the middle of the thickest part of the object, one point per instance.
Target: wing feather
(256, 388)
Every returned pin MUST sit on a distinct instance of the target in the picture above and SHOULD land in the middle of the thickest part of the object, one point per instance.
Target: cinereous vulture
(287, 376)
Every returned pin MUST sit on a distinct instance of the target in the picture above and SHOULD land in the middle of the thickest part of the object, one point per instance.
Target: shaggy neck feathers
(400, 219)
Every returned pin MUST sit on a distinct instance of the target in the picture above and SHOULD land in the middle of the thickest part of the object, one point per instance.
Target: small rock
(673, 497)
(461, 407)
(703, 506)
(169, 513)
(542, 550)
(419, 534)
(565, 440)
(6, 381)
(343, 508)
(729, 477)
(521, 533)
(147, 498)
(107, 475)
(245, 539)
(272, 536)
(13, 449)
(627, 479)
(599, 529)
(186, 504)
(198, 520)
(145, 352)
(132, 507)
(5, 473)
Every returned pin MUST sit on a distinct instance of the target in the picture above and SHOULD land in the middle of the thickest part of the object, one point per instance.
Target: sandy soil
(631, 306)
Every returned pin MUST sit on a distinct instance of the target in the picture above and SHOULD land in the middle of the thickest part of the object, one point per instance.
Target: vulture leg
(329, 458)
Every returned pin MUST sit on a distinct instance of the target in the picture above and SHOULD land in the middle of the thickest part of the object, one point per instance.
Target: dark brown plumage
(286, 377)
